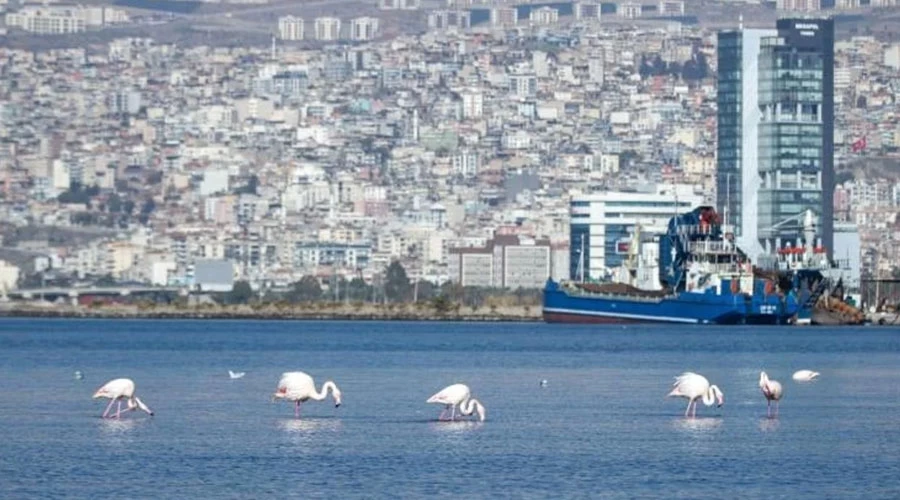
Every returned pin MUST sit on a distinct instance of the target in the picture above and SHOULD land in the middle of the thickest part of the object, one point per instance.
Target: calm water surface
(600, 429)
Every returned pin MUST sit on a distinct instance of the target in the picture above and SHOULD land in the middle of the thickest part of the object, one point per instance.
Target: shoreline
(519, 315)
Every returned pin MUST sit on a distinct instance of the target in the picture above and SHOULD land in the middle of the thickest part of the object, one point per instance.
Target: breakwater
(400, 312)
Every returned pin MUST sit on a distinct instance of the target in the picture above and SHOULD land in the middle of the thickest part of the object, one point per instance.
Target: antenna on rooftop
(273, 47)
(741, 22)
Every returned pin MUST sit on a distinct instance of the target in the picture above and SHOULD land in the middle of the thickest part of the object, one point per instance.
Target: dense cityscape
(462, 151)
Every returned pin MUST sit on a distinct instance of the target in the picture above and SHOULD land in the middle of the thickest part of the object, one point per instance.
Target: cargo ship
(703, 278)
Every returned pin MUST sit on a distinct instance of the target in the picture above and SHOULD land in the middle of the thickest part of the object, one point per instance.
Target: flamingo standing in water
(117, 390)
(299, 387)
(458, 395)
(693, 387)
(805, 375)
(771, 389)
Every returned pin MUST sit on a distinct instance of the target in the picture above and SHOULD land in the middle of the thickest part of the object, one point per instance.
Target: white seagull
(805, 376)
(693, 387)
(236, 375)
(772, 390)
(299, 387)
(117, 390)
(457, 395)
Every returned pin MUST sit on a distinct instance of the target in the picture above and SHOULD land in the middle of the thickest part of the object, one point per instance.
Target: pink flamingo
(117, 390)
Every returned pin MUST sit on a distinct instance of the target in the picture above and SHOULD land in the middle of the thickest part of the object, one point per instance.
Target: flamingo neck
(470, 406)
(323, 393)
(709, 397)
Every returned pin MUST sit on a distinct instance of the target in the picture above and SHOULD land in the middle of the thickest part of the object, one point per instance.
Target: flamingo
(805, 376)
(771, 389)
(693, 387)
(458, 395)
(299, 387)
(117, 390)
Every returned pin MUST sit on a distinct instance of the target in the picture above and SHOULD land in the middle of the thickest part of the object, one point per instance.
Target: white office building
(602, 224)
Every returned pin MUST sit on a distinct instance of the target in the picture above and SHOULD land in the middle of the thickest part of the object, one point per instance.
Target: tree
(358, 290)
(114, 203)
(396, 283)
(240, 293)
(425, 291)
(307, 289)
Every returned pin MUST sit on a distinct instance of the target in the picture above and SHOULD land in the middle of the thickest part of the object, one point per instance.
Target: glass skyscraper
(776, 131)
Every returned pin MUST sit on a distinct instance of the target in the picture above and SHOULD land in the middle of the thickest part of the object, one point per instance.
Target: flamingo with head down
(694, 387)
(300, 387)
(117, 390)
(458, 395)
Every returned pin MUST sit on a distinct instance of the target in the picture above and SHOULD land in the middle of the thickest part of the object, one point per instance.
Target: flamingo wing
(451, 395)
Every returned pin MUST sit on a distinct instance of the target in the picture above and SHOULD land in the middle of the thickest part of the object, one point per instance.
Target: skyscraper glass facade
(776, 130)
(728, 154)
(796, 132)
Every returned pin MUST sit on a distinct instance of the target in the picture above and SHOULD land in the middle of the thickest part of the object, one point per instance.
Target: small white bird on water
(544, 383)
(300, 387)
(693, 387)
(78, 375)
(117, 390)
(772, 390)
(236, 375)
(805, 376)
(458, 395)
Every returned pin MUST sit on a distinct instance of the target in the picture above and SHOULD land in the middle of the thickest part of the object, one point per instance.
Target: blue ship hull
(708, 308)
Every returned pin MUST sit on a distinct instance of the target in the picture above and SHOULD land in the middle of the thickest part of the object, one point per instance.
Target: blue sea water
(601, 428)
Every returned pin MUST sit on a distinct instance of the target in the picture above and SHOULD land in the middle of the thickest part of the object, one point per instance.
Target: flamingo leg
(119, 409)
(297, 410)
(108, 407)
(768, 408)
(443, 413)
(453, 414)
(694, 413)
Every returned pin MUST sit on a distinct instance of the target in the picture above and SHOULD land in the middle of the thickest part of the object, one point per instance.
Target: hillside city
(346, 145)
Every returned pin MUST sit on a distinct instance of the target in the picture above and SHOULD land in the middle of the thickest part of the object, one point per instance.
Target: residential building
(588, 11)
(507, 261)
(291, 28)
(448, 19)
(544, 16)
(363, 28)
(307, 255)
(48, 19)
(799, 5)
(328, 28)
(629, 10)
(504, 17)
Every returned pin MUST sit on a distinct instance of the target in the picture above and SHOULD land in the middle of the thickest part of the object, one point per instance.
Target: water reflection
(697, 426)
(456, 428)
(118, 432)
(769, 424)
(307, 426)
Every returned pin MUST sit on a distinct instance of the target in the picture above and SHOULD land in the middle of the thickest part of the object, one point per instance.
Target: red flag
(859, 145)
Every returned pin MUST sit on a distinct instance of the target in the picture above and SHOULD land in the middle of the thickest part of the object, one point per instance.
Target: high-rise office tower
(737, 179)
(776, 131)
